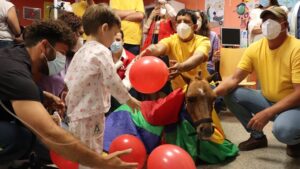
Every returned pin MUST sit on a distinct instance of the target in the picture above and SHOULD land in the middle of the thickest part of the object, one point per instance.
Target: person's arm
(113, 83)
(36, 118)
(135, 17)
(154, 50)
(172, 13)
(231, 82)
(263, 117)
(155, 12)
(123, 13)
(13, 22)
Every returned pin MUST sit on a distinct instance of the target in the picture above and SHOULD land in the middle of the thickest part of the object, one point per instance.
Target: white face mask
(184, 30)
(271, 29)
(163, 11)
(116, 46)
(57, 65)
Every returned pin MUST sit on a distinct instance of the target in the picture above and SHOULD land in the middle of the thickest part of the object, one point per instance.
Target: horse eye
(192, 99)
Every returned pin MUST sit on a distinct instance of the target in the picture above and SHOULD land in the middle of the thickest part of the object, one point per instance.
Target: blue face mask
(116, 46)
(264, 3)
(57, 65)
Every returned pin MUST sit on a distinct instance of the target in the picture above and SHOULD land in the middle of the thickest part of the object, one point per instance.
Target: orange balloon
(62, 163)
(126, 141)
(169, 156)
(148, 74)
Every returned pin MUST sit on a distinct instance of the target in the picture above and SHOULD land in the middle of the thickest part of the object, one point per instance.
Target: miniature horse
(199, 103)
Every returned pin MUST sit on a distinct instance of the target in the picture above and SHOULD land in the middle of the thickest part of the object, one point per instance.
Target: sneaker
(253, 143)
(293, 150)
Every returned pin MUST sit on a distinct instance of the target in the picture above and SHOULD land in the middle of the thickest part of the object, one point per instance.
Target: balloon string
(34, 130)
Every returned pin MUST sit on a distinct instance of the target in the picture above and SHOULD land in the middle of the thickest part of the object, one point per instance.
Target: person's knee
(286, 133)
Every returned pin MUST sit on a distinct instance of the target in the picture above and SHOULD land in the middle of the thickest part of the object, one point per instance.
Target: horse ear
(211, 77)
(186, 79)
(199, 76)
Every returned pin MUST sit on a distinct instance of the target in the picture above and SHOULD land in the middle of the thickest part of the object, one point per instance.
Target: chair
(229, 60)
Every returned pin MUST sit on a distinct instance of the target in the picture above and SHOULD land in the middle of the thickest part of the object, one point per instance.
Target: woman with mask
(160, 24)
(204, 30)
(254, 25)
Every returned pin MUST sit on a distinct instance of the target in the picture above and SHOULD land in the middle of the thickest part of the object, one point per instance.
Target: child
(92, 78)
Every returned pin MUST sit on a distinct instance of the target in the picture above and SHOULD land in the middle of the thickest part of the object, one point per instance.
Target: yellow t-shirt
(277, 69)
(79, 9)
(181, 51)
(132, 30)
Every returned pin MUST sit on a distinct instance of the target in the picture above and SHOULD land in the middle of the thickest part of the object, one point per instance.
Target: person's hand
(216, 56)
(134, 104)
(54, 103)
(113, 161)
(260, 120)
(145, 52)
(155, 12)
(175, 69)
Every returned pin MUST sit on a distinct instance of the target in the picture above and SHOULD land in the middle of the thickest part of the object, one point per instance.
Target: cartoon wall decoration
(215, 11)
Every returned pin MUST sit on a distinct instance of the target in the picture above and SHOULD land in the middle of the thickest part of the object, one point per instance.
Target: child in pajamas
(92, 79)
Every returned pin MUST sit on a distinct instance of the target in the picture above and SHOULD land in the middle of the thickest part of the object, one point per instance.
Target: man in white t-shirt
(9, 24)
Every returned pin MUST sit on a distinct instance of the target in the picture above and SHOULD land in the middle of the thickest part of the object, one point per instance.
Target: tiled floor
(273, 157)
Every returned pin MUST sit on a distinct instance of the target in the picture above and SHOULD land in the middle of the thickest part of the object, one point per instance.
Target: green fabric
(214, 153)
(209, 152)
(181, 138)
(140, 121)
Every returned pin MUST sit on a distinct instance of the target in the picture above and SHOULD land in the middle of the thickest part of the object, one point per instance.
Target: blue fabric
(120, 122)
(298, 25)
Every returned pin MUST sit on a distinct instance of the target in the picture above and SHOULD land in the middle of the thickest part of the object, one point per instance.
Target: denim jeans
(15, 142)
(6, 43)
(244, 103)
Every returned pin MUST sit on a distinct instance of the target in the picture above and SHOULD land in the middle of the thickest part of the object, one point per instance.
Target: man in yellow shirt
(188, 50)
(276, 60)
(132, 13)
(80, 7)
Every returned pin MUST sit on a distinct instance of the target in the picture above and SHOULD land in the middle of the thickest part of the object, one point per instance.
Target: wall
(230, 18)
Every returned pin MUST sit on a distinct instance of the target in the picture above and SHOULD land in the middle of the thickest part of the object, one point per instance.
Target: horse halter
(205, 120)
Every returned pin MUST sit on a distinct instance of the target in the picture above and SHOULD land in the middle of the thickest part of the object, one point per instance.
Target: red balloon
(126, 141)
(169, 156)
(148, 74)
(62, 163)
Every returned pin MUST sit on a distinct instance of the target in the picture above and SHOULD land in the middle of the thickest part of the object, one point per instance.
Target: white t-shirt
(5, 32)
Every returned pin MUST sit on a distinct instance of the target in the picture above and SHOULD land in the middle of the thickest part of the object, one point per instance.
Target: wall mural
(215, 11)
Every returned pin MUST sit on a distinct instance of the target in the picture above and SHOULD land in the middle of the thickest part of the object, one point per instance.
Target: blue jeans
(6, 43)
(244, 103)
(15, 142)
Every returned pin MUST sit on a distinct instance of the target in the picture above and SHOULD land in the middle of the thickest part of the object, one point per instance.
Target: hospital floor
(272, 157)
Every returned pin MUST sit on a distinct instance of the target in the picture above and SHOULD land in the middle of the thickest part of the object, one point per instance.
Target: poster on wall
(31, 13)
(215, 11)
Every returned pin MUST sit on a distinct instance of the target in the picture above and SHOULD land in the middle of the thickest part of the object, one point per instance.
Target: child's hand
(134, 104)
